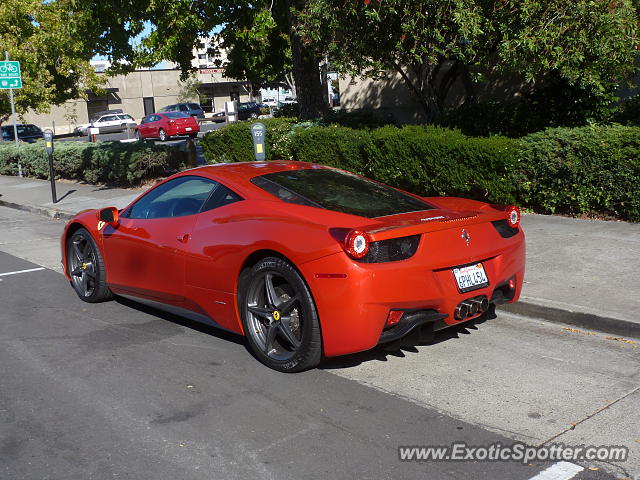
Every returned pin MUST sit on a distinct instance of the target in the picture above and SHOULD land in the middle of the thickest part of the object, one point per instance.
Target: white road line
(559, 471)
(22, 271)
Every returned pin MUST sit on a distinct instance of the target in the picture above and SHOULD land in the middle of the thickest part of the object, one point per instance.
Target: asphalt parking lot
(117, 390)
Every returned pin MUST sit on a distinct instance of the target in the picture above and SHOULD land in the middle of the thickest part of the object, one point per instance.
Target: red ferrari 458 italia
(166, 125)
(303, 260)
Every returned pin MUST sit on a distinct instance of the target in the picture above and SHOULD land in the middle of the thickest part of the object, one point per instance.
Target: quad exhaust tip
(470, 307)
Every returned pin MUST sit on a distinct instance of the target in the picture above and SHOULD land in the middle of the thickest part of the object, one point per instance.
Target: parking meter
(259, 134)
(48, 143)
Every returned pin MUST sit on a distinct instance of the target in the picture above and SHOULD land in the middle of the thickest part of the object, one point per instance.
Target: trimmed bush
(422, 160)
(585, 170)
(592, 169)
(115, 163)
(233, 142)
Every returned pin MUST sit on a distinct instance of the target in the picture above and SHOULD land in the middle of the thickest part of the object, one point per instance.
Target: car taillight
(356, 244)
(359, 246)
(513, 216)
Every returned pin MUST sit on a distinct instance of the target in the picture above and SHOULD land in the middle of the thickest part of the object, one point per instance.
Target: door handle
(184, 238)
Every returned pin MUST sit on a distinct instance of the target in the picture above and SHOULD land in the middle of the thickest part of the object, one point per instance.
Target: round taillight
(357, 244)
(513, 216)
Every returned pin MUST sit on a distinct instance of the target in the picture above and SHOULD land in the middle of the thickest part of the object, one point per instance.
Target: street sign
(10, 76)
(259, 132)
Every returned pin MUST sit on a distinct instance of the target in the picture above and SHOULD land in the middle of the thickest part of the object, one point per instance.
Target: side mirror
(109, 215)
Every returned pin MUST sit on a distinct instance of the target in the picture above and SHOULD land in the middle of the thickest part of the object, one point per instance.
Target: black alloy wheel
(279, 316)
(86, 267)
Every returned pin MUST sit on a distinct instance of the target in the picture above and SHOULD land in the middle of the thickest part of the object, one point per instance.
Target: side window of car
(175, 198)
(220, 197)
(183, 108)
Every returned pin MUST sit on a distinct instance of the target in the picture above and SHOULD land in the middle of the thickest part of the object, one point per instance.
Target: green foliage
(553, 104)
(189, 90)
(588, 44)
(627, 112)
(53, 51)
(587, 170)
(233, 143)
(362, 118)
(423, 160)
(593, 169)
(113, 163)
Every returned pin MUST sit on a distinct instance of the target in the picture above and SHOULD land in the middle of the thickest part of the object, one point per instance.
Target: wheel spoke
(85, 283)
(86, 251)
(76, 249)
(76, 271)
(288, 334)
(286, 306)
(272, 296)
(270, 337)
(260, 312)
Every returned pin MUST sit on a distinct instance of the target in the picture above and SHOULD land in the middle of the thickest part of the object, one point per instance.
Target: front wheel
(86, 268)
(279, 316)
(163, 135)
(138, 135)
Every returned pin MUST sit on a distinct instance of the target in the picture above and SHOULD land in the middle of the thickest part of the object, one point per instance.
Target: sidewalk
(581, 272)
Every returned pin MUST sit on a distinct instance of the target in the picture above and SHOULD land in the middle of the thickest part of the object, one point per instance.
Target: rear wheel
(86, 267)
(279, 316)
(162, 135)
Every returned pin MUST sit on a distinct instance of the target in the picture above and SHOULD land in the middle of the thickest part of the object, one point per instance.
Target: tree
(257, 35)
(54, 57)
(189, 90)
(590, 44)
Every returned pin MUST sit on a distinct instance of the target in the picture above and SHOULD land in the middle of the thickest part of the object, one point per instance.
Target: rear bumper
(353, 310)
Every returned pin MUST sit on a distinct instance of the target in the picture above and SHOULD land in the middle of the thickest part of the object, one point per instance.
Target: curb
(614, 326)
(52, 213)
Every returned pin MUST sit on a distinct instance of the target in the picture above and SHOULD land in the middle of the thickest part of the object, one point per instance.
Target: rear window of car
(193, 106)
(339, 191)
(176, 115)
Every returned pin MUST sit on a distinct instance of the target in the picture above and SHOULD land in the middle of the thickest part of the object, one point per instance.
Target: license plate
(188, 129)
(470, 277)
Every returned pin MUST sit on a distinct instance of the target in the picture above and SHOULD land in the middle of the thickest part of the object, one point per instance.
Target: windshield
(339, 191)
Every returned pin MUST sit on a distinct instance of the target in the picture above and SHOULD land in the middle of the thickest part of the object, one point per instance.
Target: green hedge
(586, 170)
(592, 169)
(233, 142)
(115, 163)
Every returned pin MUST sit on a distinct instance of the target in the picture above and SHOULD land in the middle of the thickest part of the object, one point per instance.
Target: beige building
(140, 93)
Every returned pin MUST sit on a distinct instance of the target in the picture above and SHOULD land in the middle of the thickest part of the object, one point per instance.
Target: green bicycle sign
(10, 76)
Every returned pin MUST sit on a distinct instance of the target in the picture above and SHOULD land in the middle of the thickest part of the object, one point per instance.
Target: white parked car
(112, 122)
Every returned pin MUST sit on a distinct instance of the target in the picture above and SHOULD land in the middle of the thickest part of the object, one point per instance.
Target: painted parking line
(559, 471)
(22, 271)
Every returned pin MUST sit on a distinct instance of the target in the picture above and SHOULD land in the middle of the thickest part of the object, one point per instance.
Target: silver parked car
(111, 122)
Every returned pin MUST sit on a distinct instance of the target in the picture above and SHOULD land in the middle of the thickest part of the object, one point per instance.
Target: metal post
(48, 140)
(13, 113)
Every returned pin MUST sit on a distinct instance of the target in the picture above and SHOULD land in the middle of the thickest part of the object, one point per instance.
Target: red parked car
(167, 124)
(304, 260)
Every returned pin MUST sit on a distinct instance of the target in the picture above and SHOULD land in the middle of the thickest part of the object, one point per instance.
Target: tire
(254, 115)
(162, 135)
(138, 136)
(279, 316)
(86, 268)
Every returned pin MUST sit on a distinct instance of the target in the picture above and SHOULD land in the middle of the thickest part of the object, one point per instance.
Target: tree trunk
(306, 72)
